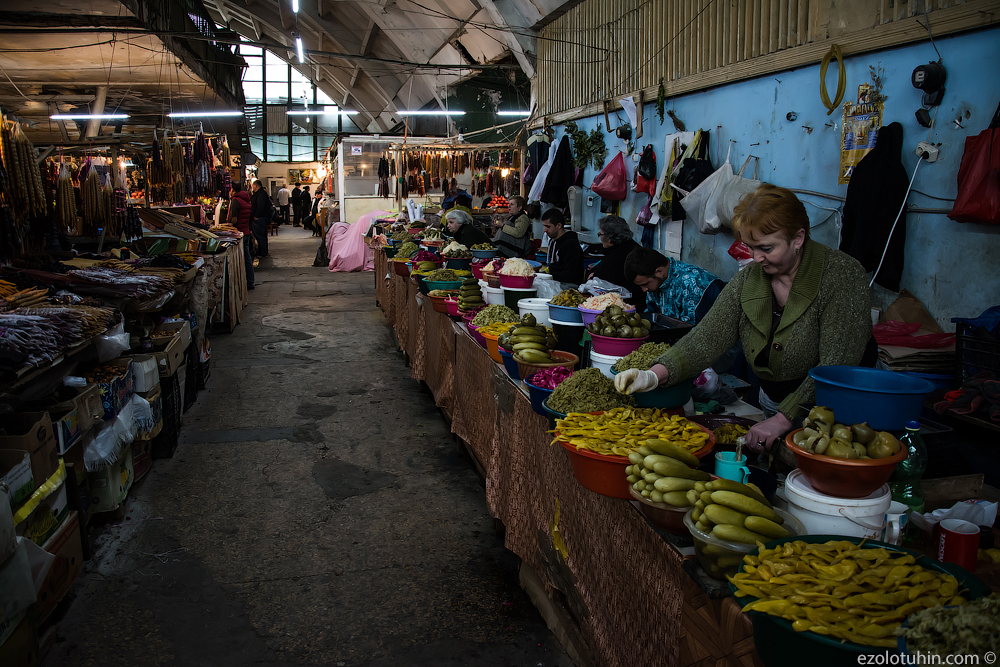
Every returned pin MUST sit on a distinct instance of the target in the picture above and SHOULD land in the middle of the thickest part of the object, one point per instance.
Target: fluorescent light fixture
(513, 113)
(203, 114)
(321, 111)
(89, 116)
(298, 49)
(440, 112)
(295, 6)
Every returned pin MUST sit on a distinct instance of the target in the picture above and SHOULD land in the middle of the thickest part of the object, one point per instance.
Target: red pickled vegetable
(425, 256)
(549, 378)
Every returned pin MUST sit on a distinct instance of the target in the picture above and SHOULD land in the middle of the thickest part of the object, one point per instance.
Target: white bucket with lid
(603, 362)
(538, 307)
(825, 515)
(493, 295)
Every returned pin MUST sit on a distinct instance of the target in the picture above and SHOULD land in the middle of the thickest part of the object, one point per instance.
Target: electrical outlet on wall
(590, 200)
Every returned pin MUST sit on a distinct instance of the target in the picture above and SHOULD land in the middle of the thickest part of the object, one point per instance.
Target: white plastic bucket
(603, 362)
(537, 307)
(825, 515)
(493, 295)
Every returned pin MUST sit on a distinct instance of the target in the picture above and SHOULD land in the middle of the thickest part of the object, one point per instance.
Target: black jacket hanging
(874, 197)
(561, 176)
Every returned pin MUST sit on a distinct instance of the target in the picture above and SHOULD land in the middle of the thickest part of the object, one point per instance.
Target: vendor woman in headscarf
(798, 306)
(513, 236)
(462, 229)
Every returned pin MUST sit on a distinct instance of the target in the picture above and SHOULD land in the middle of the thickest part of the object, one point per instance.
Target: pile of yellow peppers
(621, 431)
(842, 590)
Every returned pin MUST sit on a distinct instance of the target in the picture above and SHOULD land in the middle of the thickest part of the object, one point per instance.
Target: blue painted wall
(950, 267)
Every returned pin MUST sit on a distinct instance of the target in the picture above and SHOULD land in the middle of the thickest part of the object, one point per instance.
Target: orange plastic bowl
(439, 303)
(843, 478)
(605, 474)
(493, 347)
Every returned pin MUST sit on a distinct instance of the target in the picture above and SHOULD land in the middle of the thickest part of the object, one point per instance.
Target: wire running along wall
(605, 49)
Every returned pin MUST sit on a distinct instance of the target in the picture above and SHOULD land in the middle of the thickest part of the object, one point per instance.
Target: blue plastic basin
(565, 314)
(510, 365)
(884, 399)
(538, 396)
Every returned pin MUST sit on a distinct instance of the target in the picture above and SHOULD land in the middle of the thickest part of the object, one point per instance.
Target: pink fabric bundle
(346, 245)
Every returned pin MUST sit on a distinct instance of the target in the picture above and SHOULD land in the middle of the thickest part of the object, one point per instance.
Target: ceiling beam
(52, 20)
(512, 40)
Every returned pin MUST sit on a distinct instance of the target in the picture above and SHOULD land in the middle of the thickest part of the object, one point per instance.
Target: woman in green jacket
(798, 306)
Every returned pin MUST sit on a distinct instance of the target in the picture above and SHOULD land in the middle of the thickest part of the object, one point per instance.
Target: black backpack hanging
(693, 171)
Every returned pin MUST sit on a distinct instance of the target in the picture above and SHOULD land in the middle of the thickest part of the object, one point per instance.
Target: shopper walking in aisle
(261, 211)
(284, 197)
(239, 217)
(295, 199)
(305, 202)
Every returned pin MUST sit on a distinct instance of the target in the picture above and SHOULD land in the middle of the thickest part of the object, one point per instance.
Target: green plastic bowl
(778, 645)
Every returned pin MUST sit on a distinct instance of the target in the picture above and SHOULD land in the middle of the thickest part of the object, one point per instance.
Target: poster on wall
(307, 175)
(862, 120)
(294, 175)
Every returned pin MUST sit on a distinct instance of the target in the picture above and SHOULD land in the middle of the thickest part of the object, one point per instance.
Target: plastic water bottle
(905, 481)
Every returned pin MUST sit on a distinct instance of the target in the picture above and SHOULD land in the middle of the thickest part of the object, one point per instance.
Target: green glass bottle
(905, 481)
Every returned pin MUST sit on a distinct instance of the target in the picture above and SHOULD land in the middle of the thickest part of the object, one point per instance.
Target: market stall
(605, 576)
(103, 347)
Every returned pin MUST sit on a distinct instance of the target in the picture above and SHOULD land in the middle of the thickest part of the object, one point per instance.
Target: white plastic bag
(546, 288)
(111, 344)
(598, 286)
(701, 204)
(539, 183)
(730, 194)
(979, 512)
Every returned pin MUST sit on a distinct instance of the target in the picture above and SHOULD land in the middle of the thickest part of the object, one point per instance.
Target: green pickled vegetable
(643, 358)
(587, 390)
(495, 313)
(442, 275)
(408, 249)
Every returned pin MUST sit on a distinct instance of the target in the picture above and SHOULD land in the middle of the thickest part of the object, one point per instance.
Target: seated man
(565, 256)
(462, 229)
(513, 236)
(682, 291)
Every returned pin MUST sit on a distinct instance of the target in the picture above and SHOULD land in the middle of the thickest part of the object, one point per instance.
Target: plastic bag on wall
(612, 182)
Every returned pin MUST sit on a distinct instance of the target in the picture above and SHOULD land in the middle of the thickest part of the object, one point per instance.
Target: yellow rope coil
(834, 52)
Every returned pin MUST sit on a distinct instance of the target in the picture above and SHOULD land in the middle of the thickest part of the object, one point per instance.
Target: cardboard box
(172, 356)
(87, 403)
(67, 547)
(155, 399)
(7, 628)
(109, 486)
(116, 393)
(15, 473)
(142, 455)
(21, 648)
(46, 519)
(32, 432)
(145, 371)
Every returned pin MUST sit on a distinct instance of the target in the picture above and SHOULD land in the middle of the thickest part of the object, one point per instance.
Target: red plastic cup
(958, 542)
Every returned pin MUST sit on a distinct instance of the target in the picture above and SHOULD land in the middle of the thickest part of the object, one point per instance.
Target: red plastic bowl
(402, 268)
(439, 304)
(565, 359)
(606, 474)
(844, 478)
(517, 282)
(616, 347)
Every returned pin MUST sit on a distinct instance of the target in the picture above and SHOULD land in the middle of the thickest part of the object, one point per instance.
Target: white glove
(635, 381)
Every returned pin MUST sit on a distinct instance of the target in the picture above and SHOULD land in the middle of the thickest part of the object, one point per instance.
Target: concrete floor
(316, 511)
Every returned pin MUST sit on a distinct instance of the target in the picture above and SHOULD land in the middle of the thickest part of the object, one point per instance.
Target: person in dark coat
(561, 177)
(261, 211)
(296, 200)
(618, 242)
(463, 230)
(239, 217)
(875, 196)
(565, 256)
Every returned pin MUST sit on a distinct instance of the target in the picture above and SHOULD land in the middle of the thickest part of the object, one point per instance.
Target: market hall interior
(316, 510)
